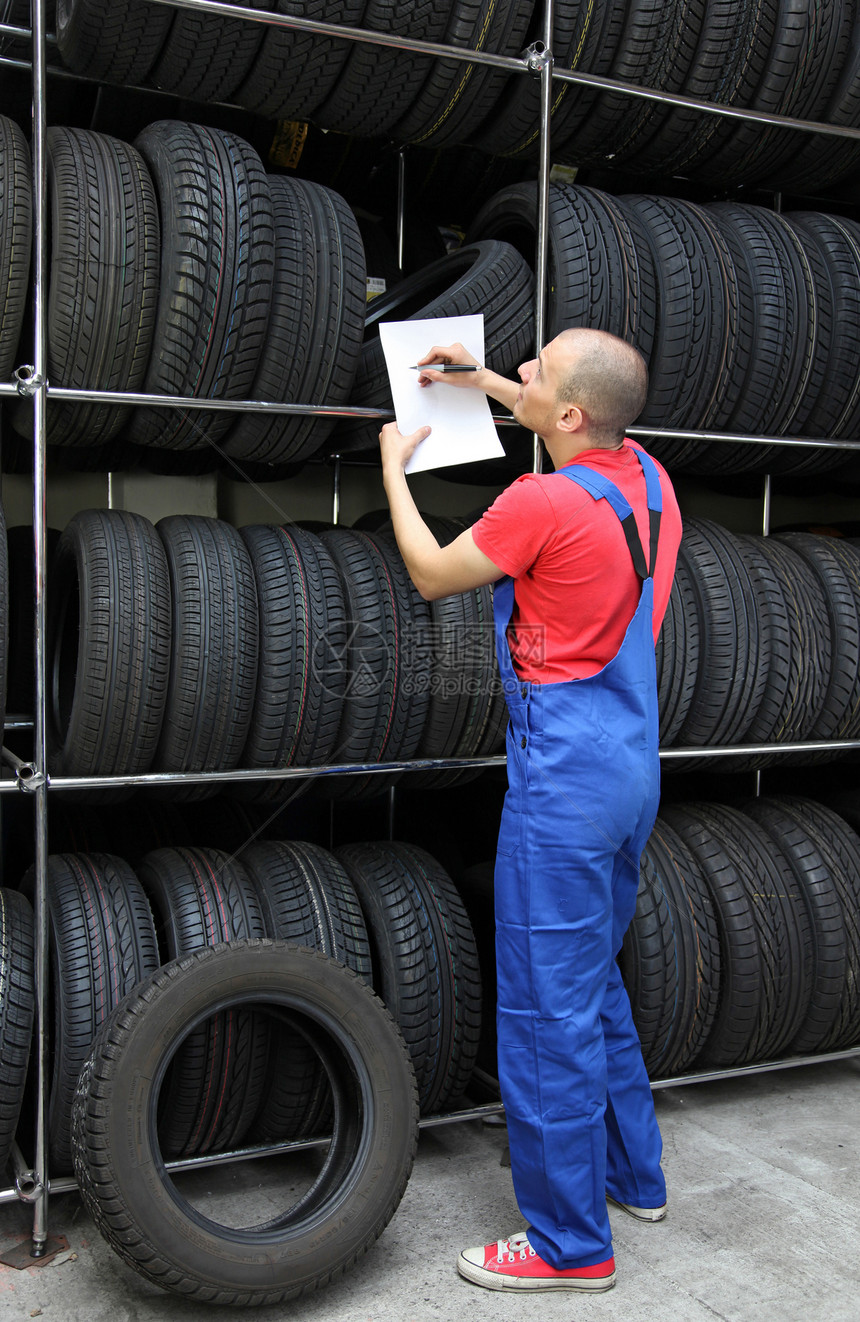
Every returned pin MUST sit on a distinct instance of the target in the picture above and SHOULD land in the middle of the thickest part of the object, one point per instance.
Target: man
(586, 556)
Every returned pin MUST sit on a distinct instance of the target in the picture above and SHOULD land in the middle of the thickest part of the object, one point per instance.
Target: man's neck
(563, 450)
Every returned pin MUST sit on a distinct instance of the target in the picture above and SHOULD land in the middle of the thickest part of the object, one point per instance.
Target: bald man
(583, 560)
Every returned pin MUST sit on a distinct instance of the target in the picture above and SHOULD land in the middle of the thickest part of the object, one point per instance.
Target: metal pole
(541, 61)
(39, 786)
(765, 528)
(401, 209)
(335, 490)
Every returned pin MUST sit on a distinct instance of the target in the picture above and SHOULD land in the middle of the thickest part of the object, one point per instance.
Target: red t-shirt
(575, 587)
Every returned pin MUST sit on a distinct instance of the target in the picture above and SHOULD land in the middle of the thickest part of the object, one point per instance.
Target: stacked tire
(213, 281)
(798, 62)
(734, 307)
(745, 943)
(191, 647)
(760, 643)
(388, 911)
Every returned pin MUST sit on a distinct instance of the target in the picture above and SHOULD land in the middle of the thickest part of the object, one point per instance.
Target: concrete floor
(764, 1224)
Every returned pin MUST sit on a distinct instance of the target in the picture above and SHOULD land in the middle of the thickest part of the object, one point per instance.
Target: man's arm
(437, 571)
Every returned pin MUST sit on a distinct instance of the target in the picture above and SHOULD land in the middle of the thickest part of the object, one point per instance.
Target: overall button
(523, 691)
(523, 742)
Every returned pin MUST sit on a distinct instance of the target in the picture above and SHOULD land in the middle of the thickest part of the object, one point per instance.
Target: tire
(303, 636)
(384, 699)
(121, 1172)
(378, 83)
(744, 1020)
(202, 897)
(217, 265)
(847, 555)
(680, 646)
(455, 96)
(580, 34)
(823, 161)
(461, 673)
(110, 41)
(307, 898)
(21, 595)
(657, 49)
(788, 836)
(781, 924)
(836, 408)
(839, 846)
(314, 336)
(103, 944)
(206, 56)
(103, 279)
(727, 65)
(16, 228)
(805, 58)
(425, 962)
(696, 948)
(694, 342)
(800, 649)
(729, 672)
(108, 645)
(648, 965)
(294, 71)
(213, 661)
(488, 277)
(17, 1010)
(597, 276)
(842, 695)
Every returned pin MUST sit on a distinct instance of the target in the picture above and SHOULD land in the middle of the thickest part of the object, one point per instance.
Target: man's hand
(397, 449)
(498, 387)
(448, 354)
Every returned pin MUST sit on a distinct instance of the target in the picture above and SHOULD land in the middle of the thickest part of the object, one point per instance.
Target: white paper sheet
(463, 427)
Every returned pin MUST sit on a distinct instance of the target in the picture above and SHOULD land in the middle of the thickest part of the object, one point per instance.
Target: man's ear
(571, 419)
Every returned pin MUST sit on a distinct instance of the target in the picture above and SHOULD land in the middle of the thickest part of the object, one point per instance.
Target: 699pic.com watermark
(442, 659)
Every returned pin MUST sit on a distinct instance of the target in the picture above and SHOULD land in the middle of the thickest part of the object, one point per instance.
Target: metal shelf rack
(33, 1185)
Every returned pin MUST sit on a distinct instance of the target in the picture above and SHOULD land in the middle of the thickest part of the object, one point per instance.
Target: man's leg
(633, 1142)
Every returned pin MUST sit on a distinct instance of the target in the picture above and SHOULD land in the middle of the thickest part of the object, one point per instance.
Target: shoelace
(507, 1248)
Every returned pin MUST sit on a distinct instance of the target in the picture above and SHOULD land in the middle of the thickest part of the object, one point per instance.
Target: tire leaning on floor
(108, 646)
(120, 1170)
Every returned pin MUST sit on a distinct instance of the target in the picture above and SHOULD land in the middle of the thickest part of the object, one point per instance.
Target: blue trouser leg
(552, 1059)
(578, 1103)
(633, 1142)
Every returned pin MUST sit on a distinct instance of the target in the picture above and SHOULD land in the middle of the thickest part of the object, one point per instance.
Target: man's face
(536, 406)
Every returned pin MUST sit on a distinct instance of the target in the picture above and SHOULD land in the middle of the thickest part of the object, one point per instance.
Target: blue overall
(584, 783)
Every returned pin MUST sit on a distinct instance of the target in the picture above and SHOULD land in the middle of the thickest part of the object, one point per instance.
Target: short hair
(607, 378)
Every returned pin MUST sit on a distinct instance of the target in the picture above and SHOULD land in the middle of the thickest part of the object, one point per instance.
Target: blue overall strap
(601, 488)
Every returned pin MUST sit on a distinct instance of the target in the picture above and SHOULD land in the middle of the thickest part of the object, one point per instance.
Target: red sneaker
(512, 1264)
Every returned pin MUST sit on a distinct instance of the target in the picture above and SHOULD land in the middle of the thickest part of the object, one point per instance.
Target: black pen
(446, 367)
